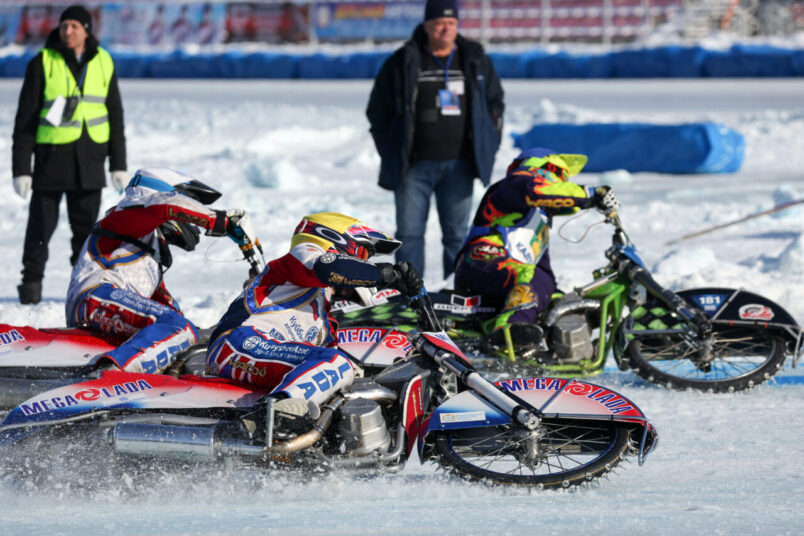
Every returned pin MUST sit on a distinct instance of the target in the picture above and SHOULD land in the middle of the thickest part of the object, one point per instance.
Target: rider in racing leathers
(278, 332)
(505, 255)
(116, 286)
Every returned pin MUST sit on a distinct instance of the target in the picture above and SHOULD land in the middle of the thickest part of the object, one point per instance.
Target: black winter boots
(30, 292)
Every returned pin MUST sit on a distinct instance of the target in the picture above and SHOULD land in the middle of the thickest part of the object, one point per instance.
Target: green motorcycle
(710, 339)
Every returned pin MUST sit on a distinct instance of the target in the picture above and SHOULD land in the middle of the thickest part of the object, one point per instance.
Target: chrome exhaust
(182, 442)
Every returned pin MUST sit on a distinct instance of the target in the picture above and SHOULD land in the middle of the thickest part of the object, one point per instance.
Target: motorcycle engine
(363, 427)
(571, 339)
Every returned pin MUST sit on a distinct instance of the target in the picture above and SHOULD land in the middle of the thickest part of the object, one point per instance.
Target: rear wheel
(558, 455)
(734, 358)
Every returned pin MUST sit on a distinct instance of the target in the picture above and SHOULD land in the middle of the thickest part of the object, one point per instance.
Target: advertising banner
(356, 21)
(164, 24)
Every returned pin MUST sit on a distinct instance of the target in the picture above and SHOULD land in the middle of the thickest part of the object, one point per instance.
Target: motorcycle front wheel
(737, 358)
(558, 455)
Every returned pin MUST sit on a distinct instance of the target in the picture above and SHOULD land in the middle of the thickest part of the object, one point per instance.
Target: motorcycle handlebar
(423, 306)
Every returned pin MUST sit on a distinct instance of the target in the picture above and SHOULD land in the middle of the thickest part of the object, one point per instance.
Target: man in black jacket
(436, 114)
(70, 117)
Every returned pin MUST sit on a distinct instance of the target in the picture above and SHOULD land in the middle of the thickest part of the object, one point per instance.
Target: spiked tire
(561, 455)
(738, 358)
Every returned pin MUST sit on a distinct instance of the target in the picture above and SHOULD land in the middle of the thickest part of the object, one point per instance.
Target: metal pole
(728, 224)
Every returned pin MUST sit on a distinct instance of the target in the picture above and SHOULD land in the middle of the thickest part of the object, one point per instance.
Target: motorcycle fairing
(631, 252)
(554, 397)
(25, 346)
(442, 340)
(412, 411)
(728, 304)
(118, 390)
(737, 306)
(373, 346)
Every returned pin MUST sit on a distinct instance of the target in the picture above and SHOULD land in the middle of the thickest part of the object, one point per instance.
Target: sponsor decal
(466, 301)
(324, 380)
(461, 309)
(190, 218)
(247, 366)
(11, 336)
(551, 203)
(111, 323)
(484, 251)
(311, 334)
(710, 303)
(397, 341)
(293, 326)
(755, 311)
(328, 257)
(251, 343)
(383, 295)
(85, 395)
(611, 400)
(466, 416)
(365, 335)
(338, 279)
(263, 348)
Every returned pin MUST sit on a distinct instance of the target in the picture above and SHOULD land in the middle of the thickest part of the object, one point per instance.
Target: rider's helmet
(339, 233)
(546, 161)
(148, 180)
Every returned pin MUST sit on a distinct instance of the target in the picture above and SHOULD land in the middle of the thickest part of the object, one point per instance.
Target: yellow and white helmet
(343, 234)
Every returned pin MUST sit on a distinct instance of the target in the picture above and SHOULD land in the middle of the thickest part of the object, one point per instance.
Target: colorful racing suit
(278, 332)
(116, 285)
(505, 256)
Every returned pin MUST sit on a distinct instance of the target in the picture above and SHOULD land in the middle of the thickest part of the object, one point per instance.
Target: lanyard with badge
(448, 101)
(63, 109)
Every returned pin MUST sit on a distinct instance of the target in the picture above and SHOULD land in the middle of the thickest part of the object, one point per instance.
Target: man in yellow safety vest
(70, 118)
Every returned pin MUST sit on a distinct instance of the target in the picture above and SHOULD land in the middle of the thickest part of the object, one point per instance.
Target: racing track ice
(725, 464)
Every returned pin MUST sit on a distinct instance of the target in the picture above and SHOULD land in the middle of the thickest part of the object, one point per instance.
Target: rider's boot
(296, 413)
(524, 337)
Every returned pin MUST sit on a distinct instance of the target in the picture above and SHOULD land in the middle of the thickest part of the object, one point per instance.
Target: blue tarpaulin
(686, 148)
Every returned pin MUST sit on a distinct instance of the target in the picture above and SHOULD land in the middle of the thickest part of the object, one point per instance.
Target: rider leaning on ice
(116, 286)
(278, 332)
(505, 256)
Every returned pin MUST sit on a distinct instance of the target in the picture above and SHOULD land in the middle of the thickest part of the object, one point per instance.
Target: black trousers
(43, 215)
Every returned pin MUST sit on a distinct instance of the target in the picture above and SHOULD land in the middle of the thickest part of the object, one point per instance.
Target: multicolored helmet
(337, 232)
(563, 166)
(161, 179)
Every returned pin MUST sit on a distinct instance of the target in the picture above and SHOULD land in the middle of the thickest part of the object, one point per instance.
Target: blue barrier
(661, 62)
(688, 148)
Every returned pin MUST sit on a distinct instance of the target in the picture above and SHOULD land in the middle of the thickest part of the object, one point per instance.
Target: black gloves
(604, 200)
(401, 276)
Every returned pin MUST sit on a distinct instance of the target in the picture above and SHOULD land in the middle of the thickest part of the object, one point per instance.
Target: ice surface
(726, 464)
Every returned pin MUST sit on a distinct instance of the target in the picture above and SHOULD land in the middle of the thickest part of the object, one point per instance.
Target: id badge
(456, 86)
(448, 102)
(56, 111)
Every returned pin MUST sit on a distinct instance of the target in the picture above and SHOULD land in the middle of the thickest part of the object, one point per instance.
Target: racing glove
(227, 224)
(401, 276)
(22, 185)
(604, 200)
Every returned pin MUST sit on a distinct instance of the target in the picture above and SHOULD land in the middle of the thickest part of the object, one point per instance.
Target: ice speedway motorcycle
(33, 359)
(532, 432)
(711, 339)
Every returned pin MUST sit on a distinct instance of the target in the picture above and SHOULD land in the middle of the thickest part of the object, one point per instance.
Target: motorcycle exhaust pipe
(190, 443)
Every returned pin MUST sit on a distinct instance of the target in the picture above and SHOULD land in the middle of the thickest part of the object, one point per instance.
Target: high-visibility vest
(91, 108)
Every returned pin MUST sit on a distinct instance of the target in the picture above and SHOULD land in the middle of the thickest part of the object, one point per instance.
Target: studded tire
(569, 453)
(743, 356)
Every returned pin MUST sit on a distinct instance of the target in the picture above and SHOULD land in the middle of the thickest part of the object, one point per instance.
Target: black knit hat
(79, 13)
(435, 9)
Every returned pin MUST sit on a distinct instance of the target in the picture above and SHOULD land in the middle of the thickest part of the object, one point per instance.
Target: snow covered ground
(726, 464)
